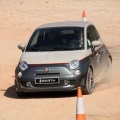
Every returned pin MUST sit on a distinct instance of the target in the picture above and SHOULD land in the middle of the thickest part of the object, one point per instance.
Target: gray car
(61, 56)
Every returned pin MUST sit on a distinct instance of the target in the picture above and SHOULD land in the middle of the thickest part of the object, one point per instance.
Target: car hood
(53, 57)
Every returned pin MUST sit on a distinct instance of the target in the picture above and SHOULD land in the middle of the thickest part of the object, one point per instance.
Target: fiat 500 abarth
(61, 56)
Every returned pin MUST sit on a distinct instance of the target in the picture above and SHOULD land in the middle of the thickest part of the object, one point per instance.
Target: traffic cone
(84, 16)
(80, 114)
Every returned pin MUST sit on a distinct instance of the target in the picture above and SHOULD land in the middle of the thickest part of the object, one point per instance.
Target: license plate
(46, 80)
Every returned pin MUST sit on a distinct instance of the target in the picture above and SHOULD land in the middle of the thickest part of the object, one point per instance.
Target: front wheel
(89, 82)
(19, 94)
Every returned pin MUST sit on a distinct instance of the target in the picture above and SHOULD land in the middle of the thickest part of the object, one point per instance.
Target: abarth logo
(46, 70)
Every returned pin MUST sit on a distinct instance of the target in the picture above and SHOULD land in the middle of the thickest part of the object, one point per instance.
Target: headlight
(23, 65)
(74, 64)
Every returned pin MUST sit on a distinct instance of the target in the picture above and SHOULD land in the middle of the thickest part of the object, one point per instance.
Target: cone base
(80, 117)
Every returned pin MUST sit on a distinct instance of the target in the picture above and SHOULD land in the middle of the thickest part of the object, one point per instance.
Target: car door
(102, 51)
(95, 53)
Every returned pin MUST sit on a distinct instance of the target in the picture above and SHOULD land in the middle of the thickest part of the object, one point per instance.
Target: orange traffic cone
(80, 114)
(84, 16)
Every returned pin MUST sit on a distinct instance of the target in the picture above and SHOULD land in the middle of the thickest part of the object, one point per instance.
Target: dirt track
(18, 19)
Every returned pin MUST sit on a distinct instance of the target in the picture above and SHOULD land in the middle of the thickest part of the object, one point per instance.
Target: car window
(96, 34)
(34, 41)
(56, 39)
(92, 35)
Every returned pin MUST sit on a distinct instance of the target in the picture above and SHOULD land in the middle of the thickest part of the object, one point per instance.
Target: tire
(89, 82)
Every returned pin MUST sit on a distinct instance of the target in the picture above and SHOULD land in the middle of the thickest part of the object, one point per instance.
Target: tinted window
(92, 35)
(96, 33)
(55, 39)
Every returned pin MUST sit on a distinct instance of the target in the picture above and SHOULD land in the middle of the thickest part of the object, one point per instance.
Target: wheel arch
(92, 69)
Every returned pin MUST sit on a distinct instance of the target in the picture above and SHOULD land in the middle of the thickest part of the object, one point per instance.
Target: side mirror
(96, 43)
(21, 46)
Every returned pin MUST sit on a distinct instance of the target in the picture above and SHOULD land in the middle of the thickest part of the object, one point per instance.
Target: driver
(76, 42)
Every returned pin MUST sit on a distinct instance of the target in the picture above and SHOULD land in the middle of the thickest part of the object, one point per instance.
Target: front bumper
(27, 82)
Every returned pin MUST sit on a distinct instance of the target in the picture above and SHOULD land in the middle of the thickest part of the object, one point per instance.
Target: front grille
(47, 74)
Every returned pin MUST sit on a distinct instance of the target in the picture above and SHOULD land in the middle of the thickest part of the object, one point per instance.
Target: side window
(97, 36)
(92, 35)
(34, 41)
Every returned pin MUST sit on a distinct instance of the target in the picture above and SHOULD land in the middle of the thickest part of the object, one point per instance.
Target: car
(62, 56)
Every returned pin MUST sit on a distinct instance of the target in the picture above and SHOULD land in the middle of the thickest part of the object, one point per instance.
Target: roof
(65, 24)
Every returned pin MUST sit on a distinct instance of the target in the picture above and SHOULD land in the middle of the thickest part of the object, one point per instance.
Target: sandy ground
(18, 19)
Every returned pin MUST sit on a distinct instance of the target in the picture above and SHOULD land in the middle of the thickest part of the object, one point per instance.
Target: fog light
(66, 82)
(19, 75)
(77, 72)
(28, 84)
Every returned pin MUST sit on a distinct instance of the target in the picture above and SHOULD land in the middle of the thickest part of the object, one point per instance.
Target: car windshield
(57, 39)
